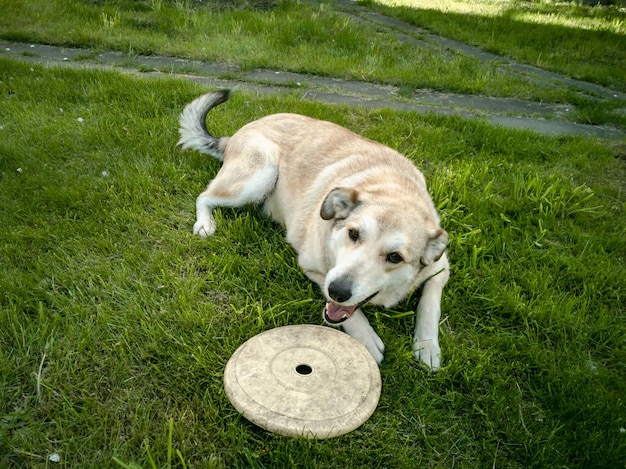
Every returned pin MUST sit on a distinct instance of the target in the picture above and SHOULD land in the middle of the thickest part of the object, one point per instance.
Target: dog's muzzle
(336, 314)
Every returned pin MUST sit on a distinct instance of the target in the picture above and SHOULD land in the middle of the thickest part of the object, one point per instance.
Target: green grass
(576, 40)
(287, 35)
(116, 322)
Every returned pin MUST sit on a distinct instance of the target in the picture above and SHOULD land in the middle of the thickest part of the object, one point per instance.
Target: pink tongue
(336, 312)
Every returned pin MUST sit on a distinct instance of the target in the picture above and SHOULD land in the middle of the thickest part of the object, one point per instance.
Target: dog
(357, 213)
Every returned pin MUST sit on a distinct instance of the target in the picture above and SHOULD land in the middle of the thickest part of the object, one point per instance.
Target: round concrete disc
(305, 381)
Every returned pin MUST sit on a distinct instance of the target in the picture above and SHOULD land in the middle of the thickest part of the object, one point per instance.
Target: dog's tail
(193, 131)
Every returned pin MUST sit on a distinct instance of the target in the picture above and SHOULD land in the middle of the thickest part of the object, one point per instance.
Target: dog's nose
(340, 290)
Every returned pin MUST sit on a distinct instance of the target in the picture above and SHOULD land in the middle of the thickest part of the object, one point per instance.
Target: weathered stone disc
(303, 381)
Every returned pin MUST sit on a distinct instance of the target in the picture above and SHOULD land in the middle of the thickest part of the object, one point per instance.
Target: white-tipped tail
(193, 131)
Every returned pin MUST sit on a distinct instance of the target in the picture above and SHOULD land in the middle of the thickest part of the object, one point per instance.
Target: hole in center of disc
(304, 369)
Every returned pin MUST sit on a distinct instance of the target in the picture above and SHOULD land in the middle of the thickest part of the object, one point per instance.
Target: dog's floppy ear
(435, 247)
(339, 203)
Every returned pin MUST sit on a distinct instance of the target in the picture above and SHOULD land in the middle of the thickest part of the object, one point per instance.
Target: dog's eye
(394, 258)
(353, 234)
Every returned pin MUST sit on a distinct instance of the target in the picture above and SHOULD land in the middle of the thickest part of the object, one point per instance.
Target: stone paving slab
(504, 112)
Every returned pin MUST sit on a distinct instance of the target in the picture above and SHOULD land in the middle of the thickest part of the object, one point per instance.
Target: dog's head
(377, 248)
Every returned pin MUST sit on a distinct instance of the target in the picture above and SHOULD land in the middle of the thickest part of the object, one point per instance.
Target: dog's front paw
(374, 345)
(204, 228)
(428, 351)
(364, 333)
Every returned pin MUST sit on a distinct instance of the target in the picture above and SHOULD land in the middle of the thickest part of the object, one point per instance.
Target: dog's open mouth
(336, 313)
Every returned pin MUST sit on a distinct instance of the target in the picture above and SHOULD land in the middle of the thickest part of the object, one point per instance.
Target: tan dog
(357, 213)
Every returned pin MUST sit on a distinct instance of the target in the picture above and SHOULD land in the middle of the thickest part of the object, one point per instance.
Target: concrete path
(544, 118)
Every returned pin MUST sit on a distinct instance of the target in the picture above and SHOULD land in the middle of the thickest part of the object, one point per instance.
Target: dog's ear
(339, 203)
(435, 247)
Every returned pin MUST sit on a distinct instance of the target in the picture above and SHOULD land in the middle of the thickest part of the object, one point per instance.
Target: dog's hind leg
(245, 177)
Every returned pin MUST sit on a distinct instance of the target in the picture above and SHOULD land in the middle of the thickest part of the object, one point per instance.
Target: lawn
(116, 322)
(581, 42)
(577, 40)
